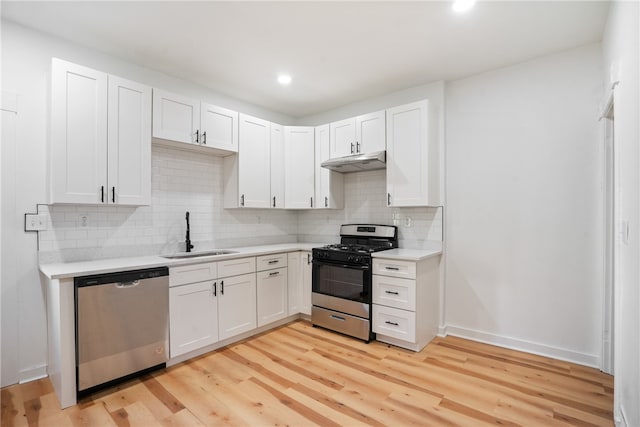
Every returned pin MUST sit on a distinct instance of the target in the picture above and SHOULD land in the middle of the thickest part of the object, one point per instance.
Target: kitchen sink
(181, 255)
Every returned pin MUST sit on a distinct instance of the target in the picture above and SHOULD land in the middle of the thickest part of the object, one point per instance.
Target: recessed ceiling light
(284, 79)
(462, 5)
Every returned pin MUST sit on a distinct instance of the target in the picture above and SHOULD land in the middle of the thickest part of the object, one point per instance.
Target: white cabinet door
(193, 317)
(343, 138)
(277, 166)
(412, 156)
(294, 282)
(306, 273)
(299, 167)
(254, 162)
(78, 168)
(329, 184)
(237, 305)
(129, 142)
(370, 132)
(175, 117)
(272, 296)
(219, 128)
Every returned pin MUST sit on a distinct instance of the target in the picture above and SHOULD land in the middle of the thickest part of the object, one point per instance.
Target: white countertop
(84, 268)
(407, 254)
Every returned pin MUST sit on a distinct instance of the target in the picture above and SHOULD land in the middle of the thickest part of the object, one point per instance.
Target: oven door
(342, 287)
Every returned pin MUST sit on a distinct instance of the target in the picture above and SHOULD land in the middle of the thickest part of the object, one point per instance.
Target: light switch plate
(35, 222)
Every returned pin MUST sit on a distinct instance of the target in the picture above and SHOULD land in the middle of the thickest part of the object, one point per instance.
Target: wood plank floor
(300, 375)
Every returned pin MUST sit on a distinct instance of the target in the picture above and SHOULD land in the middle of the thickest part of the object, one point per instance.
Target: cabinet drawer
(192, 273)
(235, 267)
(394, 292)
(268, 262)
(387, 267)
(393, 322)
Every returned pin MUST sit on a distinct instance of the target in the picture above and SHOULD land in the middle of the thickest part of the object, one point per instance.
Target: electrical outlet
(407, 221)
(84, 220)
(35, 222)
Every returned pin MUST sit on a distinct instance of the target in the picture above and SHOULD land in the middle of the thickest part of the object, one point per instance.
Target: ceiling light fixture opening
(462, 5)
(284, 79)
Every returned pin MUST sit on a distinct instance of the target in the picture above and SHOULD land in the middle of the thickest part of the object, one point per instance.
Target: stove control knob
(356, 259)
(350, 258)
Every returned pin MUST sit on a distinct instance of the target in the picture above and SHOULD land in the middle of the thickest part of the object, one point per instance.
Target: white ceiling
(337, 52)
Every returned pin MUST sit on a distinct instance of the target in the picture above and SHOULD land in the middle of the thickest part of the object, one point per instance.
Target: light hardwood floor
(300, 375)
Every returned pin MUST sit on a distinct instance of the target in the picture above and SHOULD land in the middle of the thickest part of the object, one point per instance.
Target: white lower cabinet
(405, 301)
(193, 313)
(209, 302)
(237, 305)
(299, 288)
(193, 307)
(272, 295)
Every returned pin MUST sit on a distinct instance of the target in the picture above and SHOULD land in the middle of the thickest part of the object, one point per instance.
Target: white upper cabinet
(299, 167)
(248, 174)
(175, 117)
(277, 166)
(358, 135)
(329, 184)
(343, 138)
(413, 158)
(370, 132)
(129, 141)
(100, 138)
(219, 127)
(181, 119)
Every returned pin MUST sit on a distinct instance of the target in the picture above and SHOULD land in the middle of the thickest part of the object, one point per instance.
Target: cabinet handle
(391, 323)
(113, 194)
(311, 202)
(102, 194)
(326, 202)
(388, 199)
(393, 268)
(274, 201)
(222, 287)
(333, 316)
(242, 200)
(274, 273)
(391, 292)
(197, 136)
(274, 261)
(215, 291)
(352, 148)
(357, 147)
(204, 137)
(308, 258)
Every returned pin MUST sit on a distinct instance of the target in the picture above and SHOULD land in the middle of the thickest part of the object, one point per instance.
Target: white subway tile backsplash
(185, 181)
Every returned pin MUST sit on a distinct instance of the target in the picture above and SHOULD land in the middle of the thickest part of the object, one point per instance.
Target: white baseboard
(620, 419)
(33, 373)
(591, 360)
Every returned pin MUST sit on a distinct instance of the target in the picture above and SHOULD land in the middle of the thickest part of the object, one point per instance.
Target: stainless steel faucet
(188, 237)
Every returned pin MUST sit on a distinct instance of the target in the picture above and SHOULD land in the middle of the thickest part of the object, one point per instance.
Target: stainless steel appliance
(122, 326)
(341, 278)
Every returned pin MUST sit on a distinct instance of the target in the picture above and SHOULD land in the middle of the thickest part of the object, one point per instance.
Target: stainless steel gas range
(342, 274)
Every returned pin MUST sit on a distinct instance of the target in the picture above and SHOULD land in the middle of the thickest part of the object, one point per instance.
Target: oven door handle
(352, 267)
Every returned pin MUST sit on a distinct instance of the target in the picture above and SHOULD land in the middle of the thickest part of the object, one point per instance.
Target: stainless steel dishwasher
(122, 326)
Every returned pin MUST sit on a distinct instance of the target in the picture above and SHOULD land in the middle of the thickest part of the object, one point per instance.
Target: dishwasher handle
(130, 284)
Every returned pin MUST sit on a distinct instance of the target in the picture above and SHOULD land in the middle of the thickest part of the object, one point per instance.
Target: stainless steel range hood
(357, 162)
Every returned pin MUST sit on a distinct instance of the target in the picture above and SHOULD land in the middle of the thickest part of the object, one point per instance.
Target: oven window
(341, 282)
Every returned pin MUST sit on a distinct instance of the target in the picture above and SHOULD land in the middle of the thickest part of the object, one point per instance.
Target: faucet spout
(187, 242)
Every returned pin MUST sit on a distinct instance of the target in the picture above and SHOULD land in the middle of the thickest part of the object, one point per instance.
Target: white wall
(26, 63)
(523, 220)
(621, 56)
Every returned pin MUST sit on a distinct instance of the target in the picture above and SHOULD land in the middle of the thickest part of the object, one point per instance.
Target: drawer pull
(274, 261)
(333, 316)
(393, 268)
(391, 292)
(274, 273)
(391, 323)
